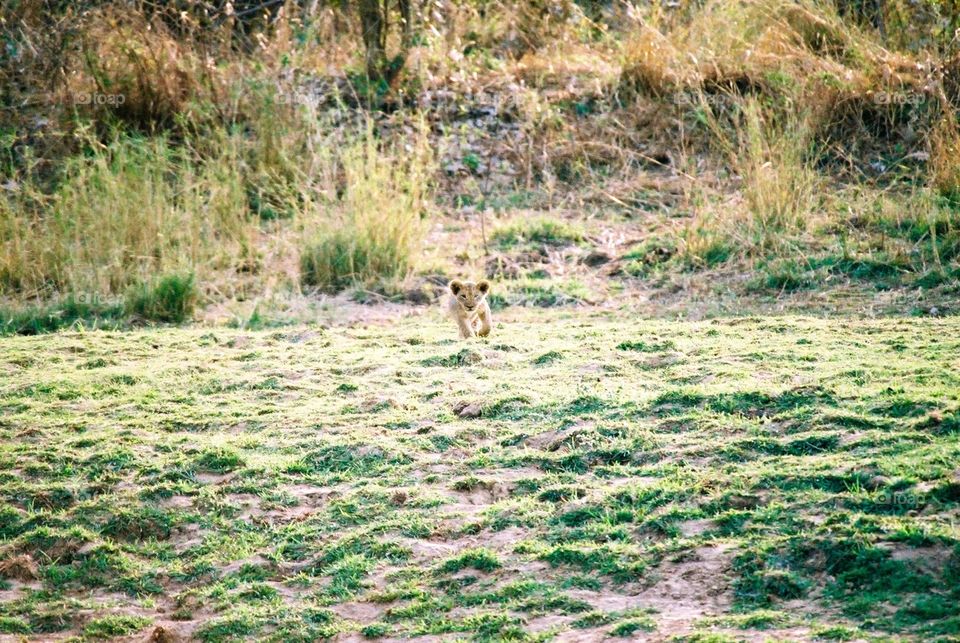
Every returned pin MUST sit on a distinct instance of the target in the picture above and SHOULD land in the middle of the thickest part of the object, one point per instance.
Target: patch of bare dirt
(206, 477)
(424, 550)
(485, 493)
(359, 611)
(313, 495)
(693, 528)
(297, 513)
(510, 475)
(186, 537)
(17, 590)
(177, 502)
(168, 631)
(689, 589)
(353, 637)
(606, 601)
(932, 560)
(591, 635)
(256, 561)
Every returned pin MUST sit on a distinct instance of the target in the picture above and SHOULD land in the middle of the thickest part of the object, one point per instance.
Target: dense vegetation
(269, 152)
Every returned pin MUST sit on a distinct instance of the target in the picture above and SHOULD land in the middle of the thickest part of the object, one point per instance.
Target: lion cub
(469, 308)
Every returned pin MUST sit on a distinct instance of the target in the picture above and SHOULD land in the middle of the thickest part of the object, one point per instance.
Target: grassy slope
(791, 474)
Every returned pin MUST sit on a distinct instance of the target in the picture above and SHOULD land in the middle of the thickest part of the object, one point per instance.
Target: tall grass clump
(945, 156)
(374, 230)
(779, 190)
(171, 298)
(125, 211)
(37, 318)
(780, 185)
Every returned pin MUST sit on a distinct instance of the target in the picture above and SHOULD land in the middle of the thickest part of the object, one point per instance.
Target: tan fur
(469, 308)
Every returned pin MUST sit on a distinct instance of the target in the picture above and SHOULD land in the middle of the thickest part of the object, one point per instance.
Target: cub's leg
(484, 319)
(466, 327)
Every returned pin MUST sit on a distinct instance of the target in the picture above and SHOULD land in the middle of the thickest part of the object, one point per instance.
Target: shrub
(171, 299)
(125, 210)
(146, 76)
(945, 156)
(377, 224)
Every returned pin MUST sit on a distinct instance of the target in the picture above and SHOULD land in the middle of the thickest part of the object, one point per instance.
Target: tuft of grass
(13, 625)
(548, 358)
(108, 627)
(375, 630)
(631, 626)
(378, 222)
(171, 299)
(646, 347)
(551, 232)
(479, 558)
(219, 460)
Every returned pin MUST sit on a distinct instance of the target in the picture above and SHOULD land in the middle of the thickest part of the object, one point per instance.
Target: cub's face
(469, 295)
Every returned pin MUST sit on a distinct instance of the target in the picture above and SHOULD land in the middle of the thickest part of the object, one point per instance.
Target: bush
(122, 211)
(945, 148)
(344, 258)
(377, 224)
(170, 299)
(148, 75)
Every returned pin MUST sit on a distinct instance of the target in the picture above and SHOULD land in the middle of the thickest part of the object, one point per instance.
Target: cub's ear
(484, 286)
(455, 287)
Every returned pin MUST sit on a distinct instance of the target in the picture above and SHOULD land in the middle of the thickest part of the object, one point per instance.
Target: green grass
(71, 311)
(171, 299)
(378, 228)
(542, 231)
(306, 482)
(110, 627)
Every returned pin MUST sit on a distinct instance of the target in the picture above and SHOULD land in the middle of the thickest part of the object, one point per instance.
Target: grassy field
(576, 477)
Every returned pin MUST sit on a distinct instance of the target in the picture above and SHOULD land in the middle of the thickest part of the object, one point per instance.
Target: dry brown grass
(21, 567)
(229, 173)
(945, 155)
(795, 51)
(152, 75)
